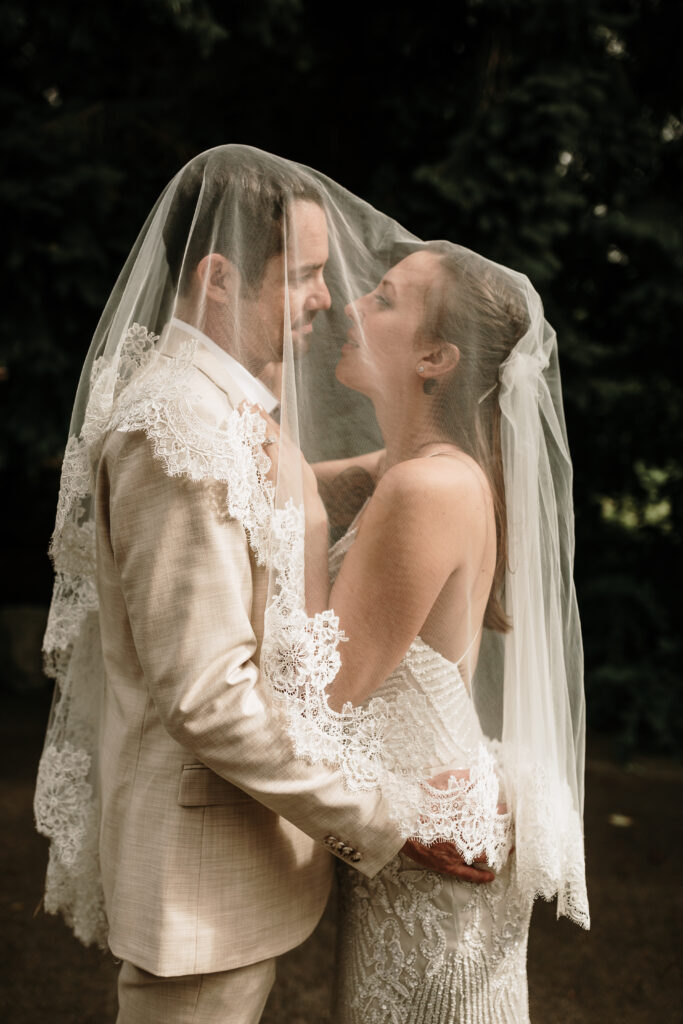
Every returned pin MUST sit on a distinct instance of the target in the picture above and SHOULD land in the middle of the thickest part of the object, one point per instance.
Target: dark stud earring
(429, 386)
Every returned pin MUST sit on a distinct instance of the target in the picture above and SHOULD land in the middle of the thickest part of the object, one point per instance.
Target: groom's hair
(232, 200)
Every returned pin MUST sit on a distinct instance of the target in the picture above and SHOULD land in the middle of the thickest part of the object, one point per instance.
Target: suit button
(339, 846)
(347, 851)
(356, 856)
(330, 841)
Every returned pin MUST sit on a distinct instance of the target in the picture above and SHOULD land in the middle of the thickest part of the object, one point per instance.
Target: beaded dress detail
(416, 947)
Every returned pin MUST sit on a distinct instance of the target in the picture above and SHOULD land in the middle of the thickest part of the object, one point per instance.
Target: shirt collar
(254, 389)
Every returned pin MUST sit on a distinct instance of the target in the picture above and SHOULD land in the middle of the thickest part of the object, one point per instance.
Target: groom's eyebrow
(307, 268)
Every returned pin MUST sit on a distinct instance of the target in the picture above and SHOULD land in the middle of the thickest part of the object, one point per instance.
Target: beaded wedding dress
(416, 947)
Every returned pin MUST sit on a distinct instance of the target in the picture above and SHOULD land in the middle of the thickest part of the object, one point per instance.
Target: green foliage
(544, 133)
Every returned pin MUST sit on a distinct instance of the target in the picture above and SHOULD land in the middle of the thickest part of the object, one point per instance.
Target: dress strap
(469, 647)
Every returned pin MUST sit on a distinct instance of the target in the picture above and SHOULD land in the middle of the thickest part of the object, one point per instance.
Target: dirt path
(626, 970)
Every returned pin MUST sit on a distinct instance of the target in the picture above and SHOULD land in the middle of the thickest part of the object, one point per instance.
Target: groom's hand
(444, 858)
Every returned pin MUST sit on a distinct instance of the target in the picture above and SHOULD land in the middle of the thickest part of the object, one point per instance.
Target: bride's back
(453, 625)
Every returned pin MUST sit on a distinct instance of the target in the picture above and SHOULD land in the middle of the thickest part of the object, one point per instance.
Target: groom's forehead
(307, 238)
(307, 246)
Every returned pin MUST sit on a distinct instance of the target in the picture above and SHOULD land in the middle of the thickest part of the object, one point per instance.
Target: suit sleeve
(186, 579)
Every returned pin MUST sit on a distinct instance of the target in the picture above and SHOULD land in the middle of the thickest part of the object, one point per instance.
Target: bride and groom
(234, 702)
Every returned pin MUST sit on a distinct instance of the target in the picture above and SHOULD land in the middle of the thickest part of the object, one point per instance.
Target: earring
(420, 369)
(429, 386)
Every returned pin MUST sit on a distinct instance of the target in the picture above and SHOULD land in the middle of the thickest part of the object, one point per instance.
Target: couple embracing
(238, 705)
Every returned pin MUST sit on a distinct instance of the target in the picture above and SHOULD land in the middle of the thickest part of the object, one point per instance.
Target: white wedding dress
(416, 947)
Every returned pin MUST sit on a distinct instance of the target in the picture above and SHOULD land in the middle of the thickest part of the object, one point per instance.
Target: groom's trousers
(226, 997)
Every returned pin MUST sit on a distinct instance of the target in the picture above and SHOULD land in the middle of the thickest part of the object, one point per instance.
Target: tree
(546, 135)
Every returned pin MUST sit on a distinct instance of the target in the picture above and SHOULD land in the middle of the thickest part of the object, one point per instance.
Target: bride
(417, 580)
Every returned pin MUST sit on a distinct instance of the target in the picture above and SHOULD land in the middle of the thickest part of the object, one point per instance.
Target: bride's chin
(349, 380)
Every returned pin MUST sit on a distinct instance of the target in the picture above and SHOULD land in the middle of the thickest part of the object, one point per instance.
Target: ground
(625, 970)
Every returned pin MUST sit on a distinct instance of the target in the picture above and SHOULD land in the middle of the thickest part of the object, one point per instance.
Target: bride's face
(380, 354)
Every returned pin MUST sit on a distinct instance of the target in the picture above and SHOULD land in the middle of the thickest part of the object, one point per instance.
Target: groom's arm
(186, 577)
(345, 484)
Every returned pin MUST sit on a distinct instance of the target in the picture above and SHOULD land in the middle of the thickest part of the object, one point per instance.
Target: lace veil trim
(145, 390)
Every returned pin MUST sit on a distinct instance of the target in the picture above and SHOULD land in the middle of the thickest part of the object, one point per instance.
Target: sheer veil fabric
(261, 263)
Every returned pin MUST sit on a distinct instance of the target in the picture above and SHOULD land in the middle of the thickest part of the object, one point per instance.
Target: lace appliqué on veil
(148, 391)
(368, 744)
(551, 860)
(143, 390)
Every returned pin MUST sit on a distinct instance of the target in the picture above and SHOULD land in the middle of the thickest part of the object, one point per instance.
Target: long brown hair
(477, 307)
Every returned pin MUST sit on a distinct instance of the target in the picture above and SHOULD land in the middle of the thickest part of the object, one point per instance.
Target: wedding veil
(251, 258)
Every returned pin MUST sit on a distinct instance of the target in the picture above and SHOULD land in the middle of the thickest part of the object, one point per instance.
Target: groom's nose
(320, 297)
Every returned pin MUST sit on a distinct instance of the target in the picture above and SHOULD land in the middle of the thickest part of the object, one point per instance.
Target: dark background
(546, 134)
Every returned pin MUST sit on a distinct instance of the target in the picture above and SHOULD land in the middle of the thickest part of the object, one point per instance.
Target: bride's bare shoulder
(449, 484)
(446, 474)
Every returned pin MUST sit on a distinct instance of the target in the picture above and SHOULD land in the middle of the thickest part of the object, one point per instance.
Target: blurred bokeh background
(546, 134)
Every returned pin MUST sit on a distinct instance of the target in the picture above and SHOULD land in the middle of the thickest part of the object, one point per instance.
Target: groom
(215, 839)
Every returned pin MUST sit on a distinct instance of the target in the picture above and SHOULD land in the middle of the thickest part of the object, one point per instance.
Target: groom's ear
(217, 277)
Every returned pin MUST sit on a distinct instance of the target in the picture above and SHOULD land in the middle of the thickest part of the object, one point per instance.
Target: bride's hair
(474, 306)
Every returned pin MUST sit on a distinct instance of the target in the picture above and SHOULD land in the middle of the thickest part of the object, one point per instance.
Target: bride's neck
(408, 429)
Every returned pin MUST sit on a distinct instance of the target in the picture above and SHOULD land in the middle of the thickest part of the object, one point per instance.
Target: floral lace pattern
(146, 390)
(164, 407)
(63, 794)
(142, 390)
(551, 862)
(439, 710)
(66, 803)
(368, 743)
(416, 947)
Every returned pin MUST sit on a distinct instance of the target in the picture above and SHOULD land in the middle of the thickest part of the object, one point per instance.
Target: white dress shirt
(253, 388)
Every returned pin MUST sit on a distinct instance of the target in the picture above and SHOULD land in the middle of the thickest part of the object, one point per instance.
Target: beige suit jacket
(213, 835)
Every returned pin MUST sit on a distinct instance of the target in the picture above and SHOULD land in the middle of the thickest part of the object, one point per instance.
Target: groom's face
(295, 276)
